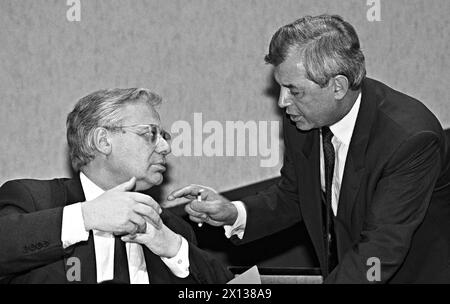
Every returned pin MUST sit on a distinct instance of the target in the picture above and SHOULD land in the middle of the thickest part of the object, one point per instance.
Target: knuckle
(128, 215)
(154, 218)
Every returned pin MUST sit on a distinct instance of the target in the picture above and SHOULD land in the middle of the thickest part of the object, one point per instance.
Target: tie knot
(327, 134)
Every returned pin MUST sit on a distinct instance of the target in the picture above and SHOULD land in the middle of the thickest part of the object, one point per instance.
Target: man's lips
(295, 118)
(160, 167)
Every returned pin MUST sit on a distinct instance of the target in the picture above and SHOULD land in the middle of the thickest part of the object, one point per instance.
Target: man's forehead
(140, 113)
(289, 71)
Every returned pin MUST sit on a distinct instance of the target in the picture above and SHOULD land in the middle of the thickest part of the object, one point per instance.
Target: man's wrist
(174, 245)
(238, 226)
(235, 214)
(179, 264)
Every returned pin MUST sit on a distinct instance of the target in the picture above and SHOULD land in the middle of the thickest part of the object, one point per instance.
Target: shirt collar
(343, 129)
(91, 190)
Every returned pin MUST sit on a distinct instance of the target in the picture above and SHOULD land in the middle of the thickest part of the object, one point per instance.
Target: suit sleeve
(29, 238)
(397, 209)
(274, 209)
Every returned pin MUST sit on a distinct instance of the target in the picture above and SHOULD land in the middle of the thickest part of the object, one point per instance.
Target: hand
(120, 211)
(163, 242)
(214, 209)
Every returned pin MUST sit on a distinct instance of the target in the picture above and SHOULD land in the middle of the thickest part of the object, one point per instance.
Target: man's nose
(284, 99)
(163, 147)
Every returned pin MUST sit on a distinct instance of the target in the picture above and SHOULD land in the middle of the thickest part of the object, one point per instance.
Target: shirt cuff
(179, 264)
(238, 227)
(73, 230)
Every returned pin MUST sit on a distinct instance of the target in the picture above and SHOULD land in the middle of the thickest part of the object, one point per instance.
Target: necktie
(121, 273)
(329, 157)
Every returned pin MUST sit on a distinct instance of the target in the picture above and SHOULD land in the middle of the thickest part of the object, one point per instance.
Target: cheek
(299, 104)
(142, 154)
(305, 105)
(134, 159)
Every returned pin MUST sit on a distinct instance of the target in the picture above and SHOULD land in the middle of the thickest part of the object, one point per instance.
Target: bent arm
(274, 209)
(29, 237)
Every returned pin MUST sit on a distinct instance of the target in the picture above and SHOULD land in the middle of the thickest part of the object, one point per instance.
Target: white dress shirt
(73, 231)
(342, 131)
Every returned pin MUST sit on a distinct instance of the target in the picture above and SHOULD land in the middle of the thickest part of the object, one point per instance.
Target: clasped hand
(213, 208)
(134, 215)
(121, 211)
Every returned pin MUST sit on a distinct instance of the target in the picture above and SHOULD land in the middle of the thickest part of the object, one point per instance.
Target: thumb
(126, 186)
(133, 238)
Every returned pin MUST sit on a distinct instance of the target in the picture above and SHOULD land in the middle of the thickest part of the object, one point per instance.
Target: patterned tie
(121, 273)
(329, 157)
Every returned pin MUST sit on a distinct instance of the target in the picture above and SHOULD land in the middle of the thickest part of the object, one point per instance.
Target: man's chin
(303, 126)
(145, 185)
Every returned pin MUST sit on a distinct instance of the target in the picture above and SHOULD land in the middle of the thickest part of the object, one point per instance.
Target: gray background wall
(202, 56)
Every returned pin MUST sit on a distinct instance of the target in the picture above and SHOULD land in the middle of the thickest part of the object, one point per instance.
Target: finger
(147, 200)
(196, 219)
(189, 191)
(134, 231)
(139, 221)
(212, 222)
(176, 202)
(149, 215)
(126, 186)
(195, 213)
(137, 238)
(208, 207)
(156, 224)
(130, 228)
(207, 188)
(132, 236)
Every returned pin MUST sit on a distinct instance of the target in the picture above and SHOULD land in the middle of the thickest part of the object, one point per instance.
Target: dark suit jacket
(30, 238)
(394, 200)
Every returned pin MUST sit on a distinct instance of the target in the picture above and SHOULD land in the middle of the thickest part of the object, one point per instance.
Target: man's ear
(102, 141)
(340, 87)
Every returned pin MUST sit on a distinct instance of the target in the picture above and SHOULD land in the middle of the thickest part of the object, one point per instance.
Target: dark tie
(121, 273)
(329, 156)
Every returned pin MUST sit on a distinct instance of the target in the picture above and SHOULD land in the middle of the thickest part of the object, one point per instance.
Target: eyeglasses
(152, 133)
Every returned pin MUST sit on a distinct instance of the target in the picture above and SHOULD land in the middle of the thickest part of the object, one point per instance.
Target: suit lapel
(157, 271)
(83, 251)
(310, 196)
(355, 162)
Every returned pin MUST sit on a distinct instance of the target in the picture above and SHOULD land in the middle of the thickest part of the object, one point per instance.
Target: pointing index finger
(189, 191)
(175, 202)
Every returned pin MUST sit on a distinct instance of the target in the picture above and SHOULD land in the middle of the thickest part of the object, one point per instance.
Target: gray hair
(328, 46)
(99, 109)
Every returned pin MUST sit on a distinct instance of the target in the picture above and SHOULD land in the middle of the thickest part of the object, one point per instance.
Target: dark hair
(99, 109)
(328, 46)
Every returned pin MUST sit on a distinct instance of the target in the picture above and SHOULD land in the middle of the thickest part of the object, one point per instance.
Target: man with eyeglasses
(97, 227)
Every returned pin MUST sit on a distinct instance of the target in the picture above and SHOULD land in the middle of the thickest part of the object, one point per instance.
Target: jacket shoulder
(401, 112)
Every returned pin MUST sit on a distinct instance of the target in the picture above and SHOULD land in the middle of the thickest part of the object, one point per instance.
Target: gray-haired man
(97, 227)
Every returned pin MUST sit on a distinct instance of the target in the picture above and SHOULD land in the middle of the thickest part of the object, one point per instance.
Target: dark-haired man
(365, 167)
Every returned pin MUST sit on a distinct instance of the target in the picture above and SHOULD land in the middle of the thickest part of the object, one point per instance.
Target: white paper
(251, 276)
